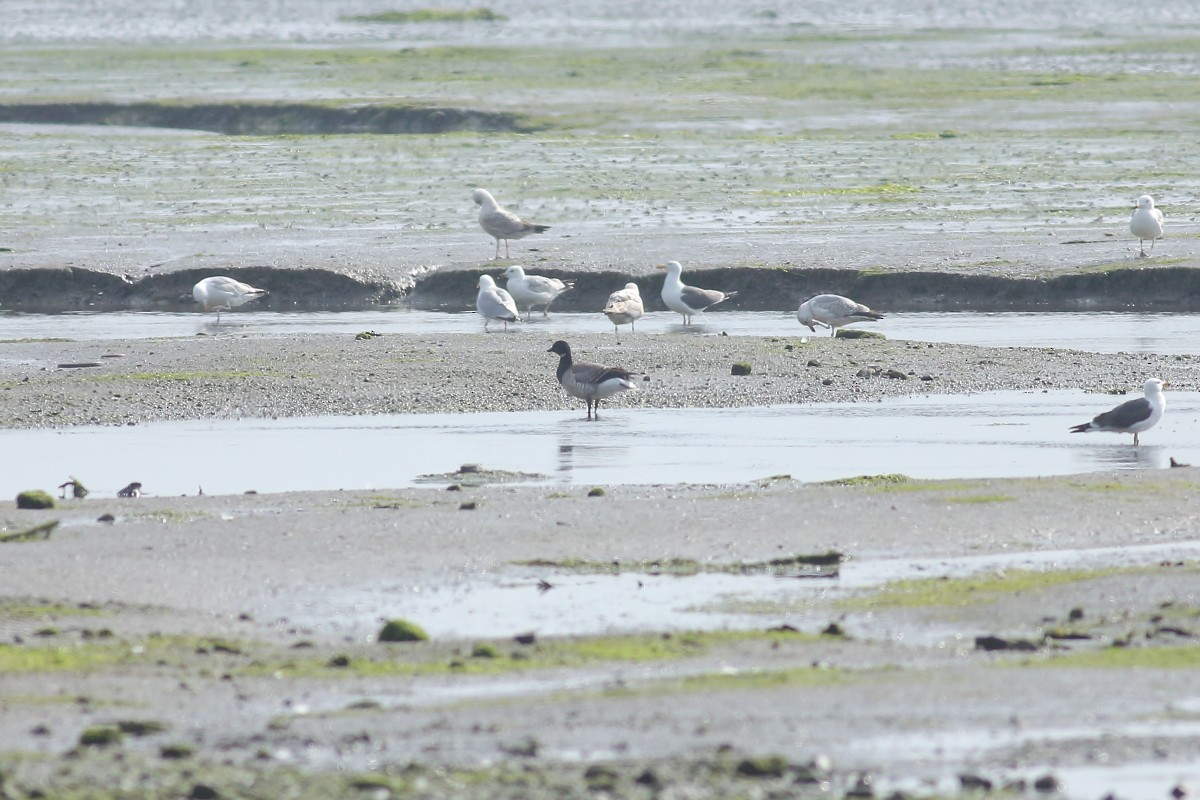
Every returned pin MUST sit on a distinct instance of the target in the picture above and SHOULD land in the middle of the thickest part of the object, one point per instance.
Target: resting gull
(222, 293)
(590, 382)
(1146, 223)
(833, 311)
(534, 290)
(624, 307)
(492, 302)
(1132, 416)
(501, 223)
(687, 300)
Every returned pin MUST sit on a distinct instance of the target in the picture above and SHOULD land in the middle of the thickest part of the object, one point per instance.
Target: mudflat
(231, 643)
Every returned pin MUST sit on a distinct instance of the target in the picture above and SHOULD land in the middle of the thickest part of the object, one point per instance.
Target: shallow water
(591, 604)
(995, 434)
(1101, 332)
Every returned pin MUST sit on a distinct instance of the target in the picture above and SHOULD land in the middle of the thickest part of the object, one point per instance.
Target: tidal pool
(993, 434)
(1098, 332)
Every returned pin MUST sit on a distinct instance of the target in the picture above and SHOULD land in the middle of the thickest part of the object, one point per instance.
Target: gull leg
(1135, 440)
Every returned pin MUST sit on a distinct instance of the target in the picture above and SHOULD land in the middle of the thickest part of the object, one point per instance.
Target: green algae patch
(81, 658)
(230, 375)
(493, 658)
(683, 567)
(35, 499)
(401, 630)
(888, 480)
(31, 609)
(978, 499)
(1173, 657)
(967, 591)
(762, 679)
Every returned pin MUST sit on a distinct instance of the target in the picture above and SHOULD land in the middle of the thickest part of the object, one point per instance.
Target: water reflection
(1169, 333)
(997, 434)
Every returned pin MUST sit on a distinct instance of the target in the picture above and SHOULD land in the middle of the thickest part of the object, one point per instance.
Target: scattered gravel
(234, 375)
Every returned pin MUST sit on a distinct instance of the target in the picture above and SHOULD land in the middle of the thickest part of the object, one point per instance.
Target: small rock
(764, 767)
(1075, 614)
(1047, 784)
(827, 382)
(202, 791)
(467, 505)
(596, 492)
(740, 368)
(974, 783)
(992, 643)
(401, 630)
(34, 498)
(525, 638)
(812, 362)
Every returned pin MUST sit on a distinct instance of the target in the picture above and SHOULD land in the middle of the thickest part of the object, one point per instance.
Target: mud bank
(75, 289)
(267, 119)
(1143, 289)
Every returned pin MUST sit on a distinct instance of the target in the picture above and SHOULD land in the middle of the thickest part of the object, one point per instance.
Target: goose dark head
(561, 348)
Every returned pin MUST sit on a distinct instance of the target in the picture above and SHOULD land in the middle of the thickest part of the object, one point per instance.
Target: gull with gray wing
(1132, 416)
(534, 290)
(687, 300)
(222, 293)
(833, 311)
(492, 302)
(500, 223)
(1146, 223)
(624, 307)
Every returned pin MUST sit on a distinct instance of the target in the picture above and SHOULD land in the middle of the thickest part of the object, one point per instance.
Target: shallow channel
(1099, 332)
(992, 434)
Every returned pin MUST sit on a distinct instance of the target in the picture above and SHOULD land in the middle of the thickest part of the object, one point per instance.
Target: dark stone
(992, 643)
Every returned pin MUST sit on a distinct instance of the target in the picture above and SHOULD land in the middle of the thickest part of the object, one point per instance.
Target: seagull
(492, 302)
(222, 293)
(1132, 416)
(590, 382)
(1146, 223)
(534, 290)
(500, 223)
(833, 311)
(687, 300)
(624, 306)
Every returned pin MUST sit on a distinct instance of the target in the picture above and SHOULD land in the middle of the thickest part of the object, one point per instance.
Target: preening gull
(1132, 416)
(501, 223)
(492, 302)
(833, 311)
(590, 382)
(624, 307)
(684, 299)
(534, 290)
(1146, 223)
(222, 293)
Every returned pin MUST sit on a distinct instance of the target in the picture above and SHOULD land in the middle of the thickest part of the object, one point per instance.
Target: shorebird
(222, 293)
(833, 311)
(1146, 223)
(492, 302)
(1132, 416)
(687, 300)
(624, 307)
(500, 223)
(534, 290)
(589, 382)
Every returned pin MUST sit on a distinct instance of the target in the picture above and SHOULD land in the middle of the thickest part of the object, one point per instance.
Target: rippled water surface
(994, 434)
(1170, 333)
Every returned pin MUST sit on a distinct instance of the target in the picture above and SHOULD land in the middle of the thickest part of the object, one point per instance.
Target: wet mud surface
(982, 155)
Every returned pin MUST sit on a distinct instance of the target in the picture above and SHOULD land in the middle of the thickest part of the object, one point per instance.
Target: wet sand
(223, 618)
(225, 646)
